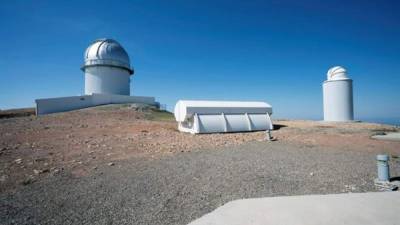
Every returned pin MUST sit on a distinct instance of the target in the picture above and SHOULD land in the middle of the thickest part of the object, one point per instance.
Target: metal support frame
(271, 126)
(268, 131)
(196, 123)
(248, 122)
(225, 122)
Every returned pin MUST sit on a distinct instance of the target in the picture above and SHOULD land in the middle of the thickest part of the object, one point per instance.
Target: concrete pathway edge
(350, 208)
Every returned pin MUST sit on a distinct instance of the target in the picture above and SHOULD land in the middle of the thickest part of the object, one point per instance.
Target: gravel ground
(120, 165)
(32, 148)
(178, 188)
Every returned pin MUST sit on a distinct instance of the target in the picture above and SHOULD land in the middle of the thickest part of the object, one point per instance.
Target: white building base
(338, 100)
(63, 104)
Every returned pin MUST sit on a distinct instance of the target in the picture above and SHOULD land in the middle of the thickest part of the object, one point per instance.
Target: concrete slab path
(355, 208)
(392, 136)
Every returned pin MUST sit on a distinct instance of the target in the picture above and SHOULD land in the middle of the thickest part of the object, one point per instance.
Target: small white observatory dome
(107, 68)
(337, 73)
(338, 95)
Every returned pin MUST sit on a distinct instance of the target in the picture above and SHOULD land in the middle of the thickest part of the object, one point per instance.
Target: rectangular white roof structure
(222, 116)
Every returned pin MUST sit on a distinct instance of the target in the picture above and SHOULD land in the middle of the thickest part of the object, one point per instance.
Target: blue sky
(274, 51)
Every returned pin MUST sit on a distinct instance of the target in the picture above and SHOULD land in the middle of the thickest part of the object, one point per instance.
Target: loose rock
(3, 178)
(28, 180)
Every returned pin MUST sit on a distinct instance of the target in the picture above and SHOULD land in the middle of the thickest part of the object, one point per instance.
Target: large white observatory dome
(106, 52)
(107, 68)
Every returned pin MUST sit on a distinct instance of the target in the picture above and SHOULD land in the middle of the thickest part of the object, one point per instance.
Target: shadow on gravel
(394, 179)
(278, 126)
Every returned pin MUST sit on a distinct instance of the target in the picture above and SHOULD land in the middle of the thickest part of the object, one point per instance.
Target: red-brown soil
(33, 147)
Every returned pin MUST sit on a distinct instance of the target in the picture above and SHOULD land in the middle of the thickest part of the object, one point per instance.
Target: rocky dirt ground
(32, 147)
(42, 159)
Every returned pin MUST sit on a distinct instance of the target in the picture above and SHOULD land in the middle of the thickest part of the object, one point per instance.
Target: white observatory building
(107, 68)
(222, 116)
(338, 95)
(108, 72)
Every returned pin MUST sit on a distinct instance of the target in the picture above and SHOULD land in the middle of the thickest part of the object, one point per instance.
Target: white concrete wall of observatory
(107, 80)
(63, 104)
(222, 116)
(338, 100)
(101, 99)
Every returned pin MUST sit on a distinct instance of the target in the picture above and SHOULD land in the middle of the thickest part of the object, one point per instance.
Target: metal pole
(383, 167)
(268, 135)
